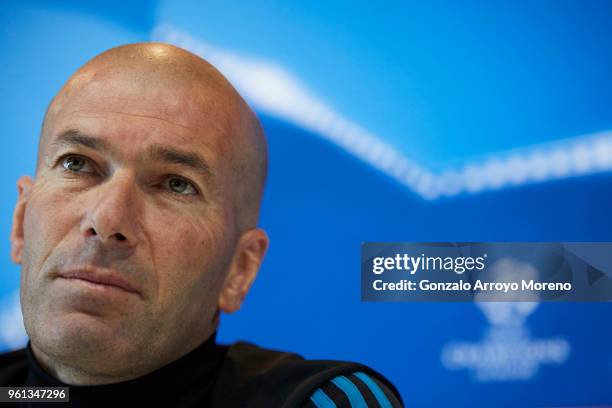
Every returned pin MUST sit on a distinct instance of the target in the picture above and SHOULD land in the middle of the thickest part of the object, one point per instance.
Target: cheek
(189, 255)
(47, 220)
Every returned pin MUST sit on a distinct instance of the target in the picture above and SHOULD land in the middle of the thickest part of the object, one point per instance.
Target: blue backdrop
(436, 121)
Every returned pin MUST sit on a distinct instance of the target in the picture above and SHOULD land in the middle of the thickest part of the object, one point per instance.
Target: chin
(79, 335)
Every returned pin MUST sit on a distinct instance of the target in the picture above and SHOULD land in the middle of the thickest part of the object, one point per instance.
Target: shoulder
(13, 368)
(355, 389)
(274, 378)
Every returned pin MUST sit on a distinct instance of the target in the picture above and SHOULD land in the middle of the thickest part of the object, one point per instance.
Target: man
(139, 228)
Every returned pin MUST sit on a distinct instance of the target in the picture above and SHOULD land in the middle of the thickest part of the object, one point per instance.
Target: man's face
(133, 183)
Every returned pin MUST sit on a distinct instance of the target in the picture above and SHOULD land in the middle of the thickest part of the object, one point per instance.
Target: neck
(73, 374)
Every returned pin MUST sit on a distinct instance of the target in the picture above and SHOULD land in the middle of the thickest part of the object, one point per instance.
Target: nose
(113, 213)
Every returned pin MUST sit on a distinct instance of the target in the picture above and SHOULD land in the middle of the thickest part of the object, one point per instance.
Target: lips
(100, 277)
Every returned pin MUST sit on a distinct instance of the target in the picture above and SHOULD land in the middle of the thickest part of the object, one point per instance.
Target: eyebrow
(155, 152)
(174, 156)
(74, 137)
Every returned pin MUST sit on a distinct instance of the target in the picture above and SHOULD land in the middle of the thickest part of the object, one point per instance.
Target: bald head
(182, 89)
(150, 171)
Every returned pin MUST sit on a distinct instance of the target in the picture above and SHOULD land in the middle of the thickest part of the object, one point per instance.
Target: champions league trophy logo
(507, 352)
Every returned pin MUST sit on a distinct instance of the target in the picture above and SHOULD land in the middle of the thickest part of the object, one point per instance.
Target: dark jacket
(213, 375)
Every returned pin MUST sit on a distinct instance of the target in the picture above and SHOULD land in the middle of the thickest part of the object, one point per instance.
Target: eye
(77, 164)
(180, 185)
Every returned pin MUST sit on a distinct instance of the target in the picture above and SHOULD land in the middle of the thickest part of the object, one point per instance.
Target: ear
(24, 186)
(243, 269)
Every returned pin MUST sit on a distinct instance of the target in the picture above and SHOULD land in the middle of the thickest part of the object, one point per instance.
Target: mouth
(100, 279)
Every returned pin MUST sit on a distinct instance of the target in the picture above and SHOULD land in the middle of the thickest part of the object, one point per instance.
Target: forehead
(133, 113)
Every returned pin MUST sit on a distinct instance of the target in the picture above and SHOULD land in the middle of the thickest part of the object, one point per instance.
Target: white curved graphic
(272, 89)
